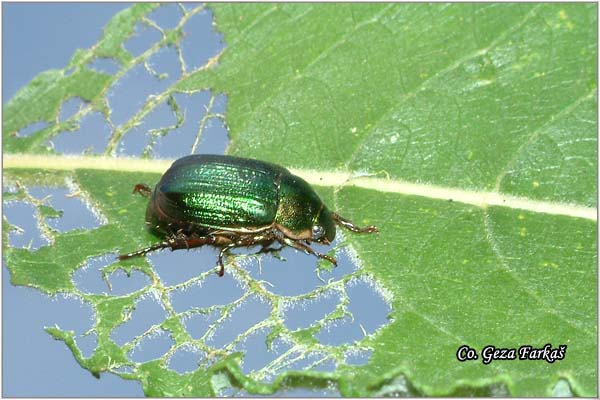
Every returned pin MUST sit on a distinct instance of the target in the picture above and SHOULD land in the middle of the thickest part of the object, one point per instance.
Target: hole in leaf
(214, 138)
(200, 41)
(339, 331)
(189, 6)
(312, 361)
(303, 313)
(253, 310)
(75, 314)
(10, 188)
(220, 104)
(291, 275)
(358, 356)
(123, 284)
(346, 264)
(105, 65)
(198, 324)
(214, 290)
(87, 344)
(92, 136)
(89, 278)
(167, 16)
(138, 138)
(127, 95)
(498, 390)
(179, 141)
(396, 387)
(33, 128)
(172, 130)
(185, 359)
(174, 267)
(143, 38)
(256, 353)
(147, 312)
(124, 369)
(152, 346)
(133, 143)
(562, 389)
(75, 213)
(69, 107)
(165, 65)
(367, 307)
(296, 273)
(22, 215)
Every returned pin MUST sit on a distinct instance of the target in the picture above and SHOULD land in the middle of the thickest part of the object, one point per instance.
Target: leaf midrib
(335, 179)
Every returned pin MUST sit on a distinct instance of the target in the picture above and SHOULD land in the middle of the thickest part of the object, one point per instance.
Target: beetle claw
(328, 258)
(221, 266)
(221, 271)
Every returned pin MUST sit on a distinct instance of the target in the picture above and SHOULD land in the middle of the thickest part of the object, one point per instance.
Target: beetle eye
(317, 232)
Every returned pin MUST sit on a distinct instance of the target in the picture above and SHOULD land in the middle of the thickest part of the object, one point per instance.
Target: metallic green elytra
(229, 202)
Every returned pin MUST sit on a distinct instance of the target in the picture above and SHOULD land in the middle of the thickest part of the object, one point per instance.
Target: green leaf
(465, 132)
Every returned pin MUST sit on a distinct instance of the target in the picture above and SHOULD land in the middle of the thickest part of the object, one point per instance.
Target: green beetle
(228, 202)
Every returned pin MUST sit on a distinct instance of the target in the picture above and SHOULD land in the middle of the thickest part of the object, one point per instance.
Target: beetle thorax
(298, 206)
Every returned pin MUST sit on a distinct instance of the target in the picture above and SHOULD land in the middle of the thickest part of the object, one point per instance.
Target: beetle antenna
(350, 225)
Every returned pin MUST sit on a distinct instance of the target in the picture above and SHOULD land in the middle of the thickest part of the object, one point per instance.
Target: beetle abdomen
(219, 192)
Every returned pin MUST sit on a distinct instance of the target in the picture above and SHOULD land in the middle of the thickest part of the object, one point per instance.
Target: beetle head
(301, 214)
(323, 229)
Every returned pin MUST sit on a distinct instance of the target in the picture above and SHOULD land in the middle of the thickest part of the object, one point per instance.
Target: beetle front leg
(309, 250)
(350, 225)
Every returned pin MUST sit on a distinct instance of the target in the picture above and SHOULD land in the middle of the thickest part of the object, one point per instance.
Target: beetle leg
(191, 242)
(174, 243)
(142, 189)
(141, 252)
(220, 259)
(180, 236)
(309, 250)
(266, 249)
(241, 242)
(350, 225)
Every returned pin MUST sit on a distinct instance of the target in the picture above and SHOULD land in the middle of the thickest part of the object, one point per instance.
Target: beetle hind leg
(174, 242)
(144, 251)
(350, 225)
